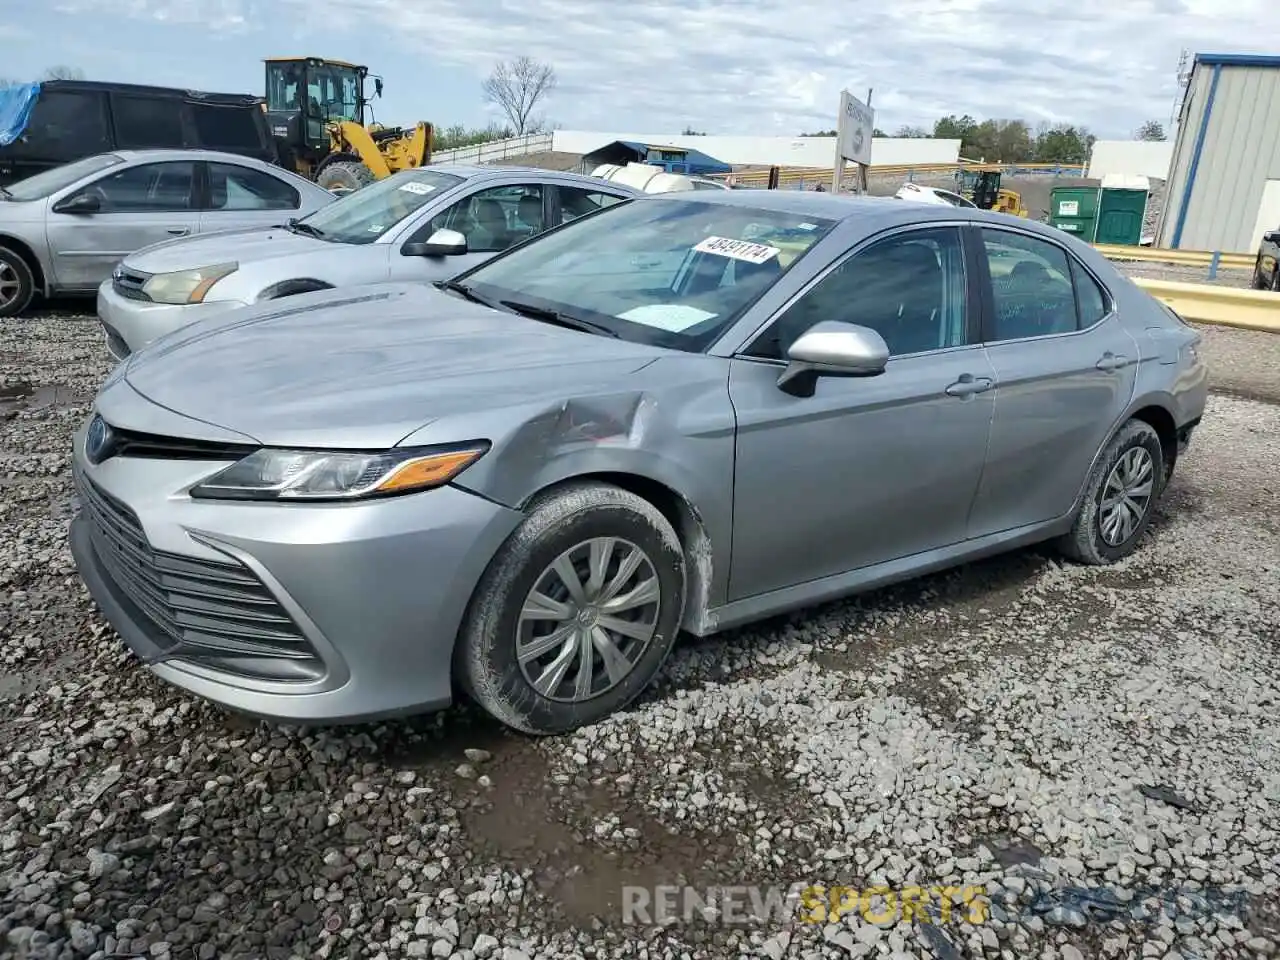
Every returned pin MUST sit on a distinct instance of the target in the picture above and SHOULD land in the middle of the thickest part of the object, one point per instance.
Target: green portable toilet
(1122, 210)
(1074, 210)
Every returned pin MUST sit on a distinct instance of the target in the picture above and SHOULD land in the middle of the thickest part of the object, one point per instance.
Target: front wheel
(1119, 498)
(17, 285)
(576, 613)
(345, 176)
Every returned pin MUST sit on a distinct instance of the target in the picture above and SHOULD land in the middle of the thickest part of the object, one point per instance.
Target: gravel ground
(1032, 727)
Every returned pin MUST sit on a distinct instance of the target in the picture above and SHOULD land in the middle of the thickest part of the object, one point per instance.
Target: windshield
(51, 181)
(366, 214)
(666, 270)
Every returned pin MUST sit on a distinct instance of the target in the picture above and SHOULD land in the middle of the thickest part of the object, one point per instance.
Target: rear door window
(233, 187)
(147, 122)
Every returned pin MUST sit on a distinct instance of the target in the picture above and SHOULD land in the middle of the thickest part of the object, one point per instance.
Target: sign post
(853, 138)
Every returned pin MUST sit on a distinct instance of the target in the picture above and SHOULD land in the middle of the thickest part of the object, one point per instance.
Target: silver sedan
(63, 230)
(423, 224)
(685, 411)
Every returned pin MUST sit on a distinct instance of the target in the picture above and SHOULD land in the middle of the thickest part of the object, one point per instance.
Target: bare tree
(63, 72)
(517, 87)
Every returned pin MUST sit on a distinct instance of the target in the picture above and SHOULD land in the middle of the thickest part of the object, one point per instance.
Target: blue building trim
(1238, 60)
(1201, 135)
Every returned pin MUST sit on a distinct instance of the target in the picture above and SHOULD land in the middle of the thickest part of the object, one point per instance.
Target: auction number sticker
(737, 249)
(421, 189)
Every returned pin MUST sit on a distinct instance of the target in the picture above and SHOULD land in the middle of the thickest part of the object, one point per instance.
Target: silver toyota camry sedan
(681, 412)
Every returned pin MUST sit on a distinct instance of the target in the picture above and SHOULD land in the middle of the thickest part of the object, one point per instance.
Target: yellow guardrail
(1195, 258)
(1223, 306)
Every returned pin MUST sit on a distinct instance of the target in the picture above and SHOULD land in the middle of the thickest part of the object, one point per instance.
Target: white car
(922, 194)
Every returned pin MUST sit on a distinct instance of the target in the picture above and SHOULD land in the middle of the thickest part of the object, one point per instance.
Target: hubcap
(587, 620)
(9, 285)
(1126, 497)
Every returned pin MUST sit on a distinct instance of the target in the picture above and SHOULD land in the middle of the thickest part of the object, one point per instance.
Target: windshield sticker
(375, 228)
(737, 249)
(807, 226)
(672, 317)
(421, 189)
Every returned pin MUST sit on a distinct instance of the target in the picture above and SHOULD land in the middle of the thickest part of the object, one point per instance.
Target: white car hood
(227, 246)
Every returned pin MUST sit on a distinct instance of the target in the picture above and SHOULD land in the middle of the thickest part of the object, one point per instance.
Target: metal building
(1223, 190)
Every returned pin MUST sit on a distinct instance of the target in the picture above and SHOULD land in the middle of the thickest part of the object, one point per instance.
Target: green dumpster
(1120, 216)
(1075, 210)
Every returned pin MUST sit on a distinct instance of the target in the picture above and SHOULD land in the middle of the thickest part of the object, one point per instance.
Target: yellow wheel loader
(982, 186)
(316, 111)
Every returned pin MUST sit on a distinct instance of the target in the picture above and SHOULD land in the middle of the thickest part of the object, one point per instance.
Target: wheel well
(29, 258)
(336, 158)
(287, 288)
(1162, 422)
(689, 529)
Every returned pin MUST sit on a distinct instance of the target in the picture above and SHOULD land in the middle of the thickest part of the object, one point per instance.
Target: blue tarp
(16, 103)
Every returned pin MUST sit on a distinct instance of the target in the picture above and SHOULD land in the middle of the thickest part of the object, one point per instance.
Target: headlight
(338, 475)
(186, 286)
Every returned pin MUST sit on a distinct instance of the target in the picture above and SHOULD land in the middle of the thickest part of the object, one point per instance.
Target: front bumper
(129, 325)
(321, 613)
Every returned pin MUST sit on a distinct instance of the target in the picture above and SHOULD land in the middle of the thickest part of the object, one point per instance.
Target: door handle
(1112, 361)
(179, 231)
(968, 385)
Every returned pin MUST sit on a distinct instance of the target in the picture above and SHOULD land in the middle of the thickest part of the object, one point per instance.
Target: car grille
(129, 283)
(218, 614)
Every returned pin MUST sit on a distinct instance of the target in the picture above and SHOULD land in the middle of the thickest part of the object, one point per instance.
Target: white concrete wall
(1135, 158)
(770, 151)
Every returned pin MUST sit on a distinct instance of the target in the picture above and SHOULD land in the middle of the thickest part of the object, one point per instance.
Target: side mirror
(377, 86)
(832, 348)
(79, 203)
(442, 243)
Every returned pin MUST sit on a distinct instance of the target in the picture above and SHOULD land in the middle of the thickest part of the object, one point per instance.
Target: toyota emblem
(98, 440)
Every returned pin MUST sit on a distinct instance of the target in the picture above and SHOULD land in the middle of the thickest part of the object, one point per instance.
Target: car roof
(876, 212)
(472, 170)
(190, 153)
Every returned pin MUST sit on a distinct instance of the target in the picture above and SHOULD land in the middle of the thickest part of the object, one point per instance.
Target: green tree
(912, 133)
(690, 132)
(1063, 143)
(1151, 130)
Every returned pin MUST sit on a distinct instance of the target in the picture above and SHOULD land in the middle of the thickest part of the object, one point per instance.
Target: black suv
(79, 118)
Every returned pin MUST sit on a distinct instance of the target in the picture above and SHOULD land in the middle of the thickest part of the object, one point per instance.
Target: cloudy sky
(723, 66)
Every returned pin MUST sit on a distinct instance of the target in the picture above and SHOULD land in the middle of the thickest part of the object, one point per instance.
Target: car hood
(225, 246)
(364, 367)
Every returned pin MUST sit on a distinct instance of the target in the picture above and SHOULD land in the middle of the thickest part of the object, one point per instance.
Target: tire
(17, 285)
(345, 176)
(1275, 279)
(560, 524)
(1135, 446)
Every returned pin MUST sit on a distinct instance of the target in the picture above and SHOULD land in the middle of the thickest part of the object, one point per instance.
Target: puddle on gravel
(16, 685)
(22, 395)
(528, 821)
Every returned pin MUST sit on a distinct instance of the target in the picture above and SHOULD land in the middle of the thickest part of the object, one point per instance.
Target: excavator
(316, 110)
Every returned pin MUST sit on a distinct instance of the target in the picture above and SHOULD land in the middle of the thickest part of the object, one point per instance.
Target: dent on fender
(598, 434)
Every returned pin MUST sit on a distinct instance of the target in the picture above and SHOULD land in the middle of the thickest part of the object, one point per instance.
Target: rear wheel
(345, 176)
(1119, 498)
(17, 285)
(576, 613)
